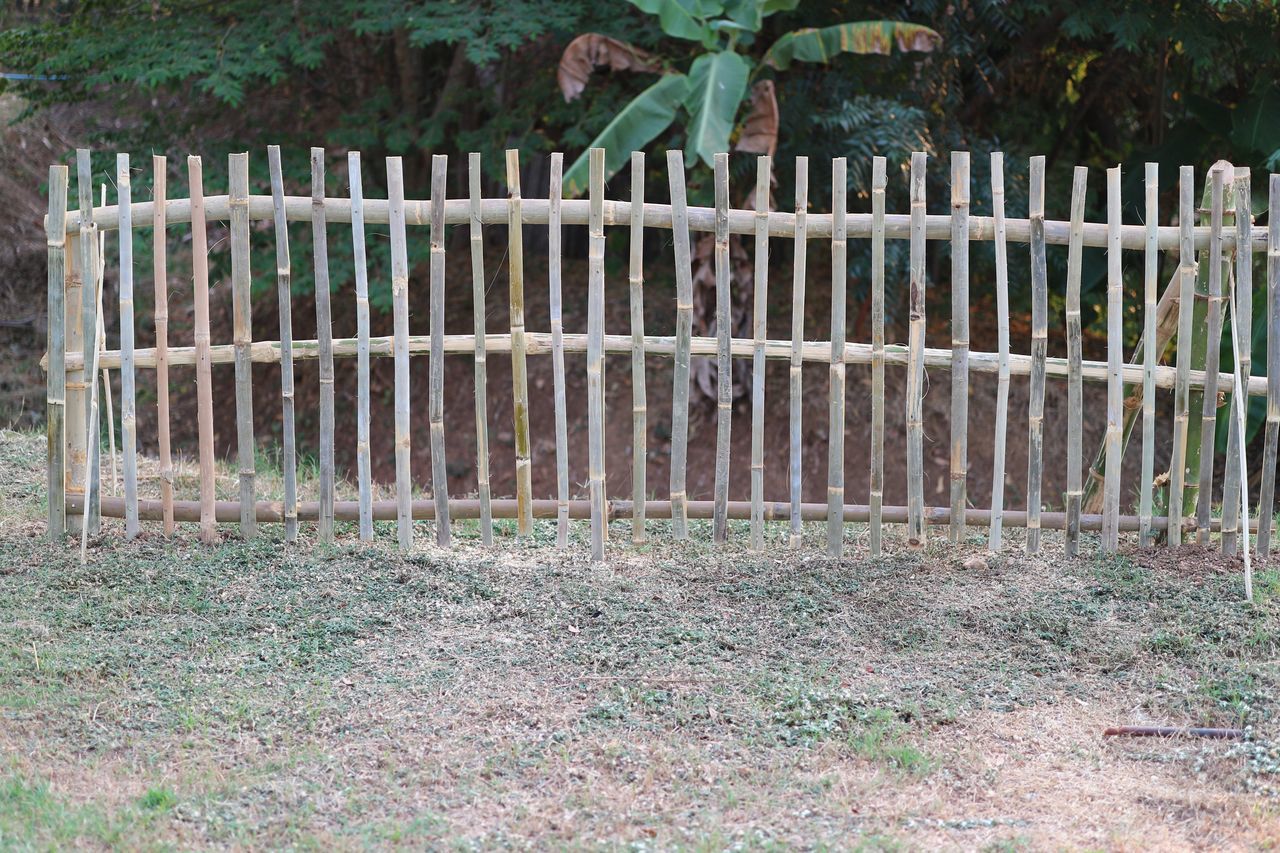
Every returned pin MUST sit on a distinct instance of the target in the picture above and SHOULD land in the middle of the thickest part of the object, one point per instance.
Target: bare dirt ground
(254, 695)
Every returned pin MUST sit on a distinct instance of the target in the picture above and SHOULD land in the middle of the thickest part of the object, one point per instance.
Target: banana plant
(711, 92)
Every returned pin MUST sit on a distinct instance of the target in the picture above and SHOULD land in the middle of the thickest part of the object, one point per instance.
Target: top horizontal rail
(494, 211)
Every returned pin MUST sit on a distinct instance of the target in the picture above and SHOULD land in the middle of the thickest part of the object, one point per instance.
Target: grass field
(169, 695)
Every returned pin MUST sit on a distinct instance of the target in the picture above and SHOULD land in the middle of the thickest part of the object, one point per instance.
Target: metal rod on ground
(839, 322)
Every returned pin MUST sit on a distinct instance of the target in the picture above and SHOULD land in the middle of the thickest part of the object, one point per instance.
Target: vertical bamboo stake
(160, 273)
(1152, 259)
(439, 470)
(1242, 326)
(400, 321)
(915, 360)
(128, 393)
(639, 398)
(959, 340)
(724, 333)
(554, 252)
(1266, 498)
(878, 182)
(760, 318)
(519, 372)
(839, 322)
(1075, 391)
(481, 359)
(1002, 329)
(241, 280)
(1239, 414)
(204, 379)
(1039, 349)
(1186, 297)
(595, 351)
(56, 394)
(100, 284)
(324, 335)
(77, 408)
(684, 335)
(288, 451)
(355, 184)
(1209, 406)
(797, 342)
(1115, 356)
(89, 318)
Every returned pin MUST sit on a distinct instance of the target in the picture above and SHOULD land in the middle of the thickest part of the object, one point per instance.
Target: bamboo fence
(1226, 246)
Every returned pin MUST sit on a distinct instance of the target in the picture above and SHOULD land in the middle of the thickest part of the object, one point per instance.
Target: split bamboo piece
(160, 274)
(89, 251)
(1149, 354)
(1039, 350)
(1209, 407)
(959, 340)
(1242, 325)
(439, 468)
(288, 450)
(639, 400)
(1075, 389)
(683, 343)
(1181, 396)
(915, 371)
(242, 310)
(204, 377)
(1266, 498)
(100, 285)
(355, 185)
(128, 392)
(324, 334)
(1115, 355)
(760, 323)
(479, 318)
(554, 253)
(796, 375)
(724, 332)
(1239, 414)
(400, 320)
(519, 371)
(876, 498)
(995, 533)
(56, 394)
(836, 370)
(595, 352)
(77, 404)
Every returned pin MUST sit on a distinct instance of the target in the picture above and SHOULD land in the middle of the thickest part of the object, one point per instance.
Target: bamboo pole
(160, 274)
(554, 254)
(324, 334)
(89, 250)
(1242, 325)
(439, 469)
(796, 374)
(1149, 355)
(1209, 403)
(288, 451)
(876, 491)
(760, 323)
(595, 352)
(1186, 296)
(916, 532)
(1039, 350)
(1115, 356)
(995, 533)
(683, 342)
(1266, 497)
(1075, 389)
(128, 392)
(56, 389)
(519, 372)
(479, 317)
(241, 282)
(204, 377)
(724, 332)
(959, 340)
(1239, 414)
(836, 370)
(100, 285)
(364, 465)
(639, 398)
(400, 320)
(77, 408)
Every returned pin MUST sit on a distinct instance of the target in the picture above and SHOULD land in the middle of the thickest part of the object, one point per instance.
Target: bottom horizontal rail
(273, 511)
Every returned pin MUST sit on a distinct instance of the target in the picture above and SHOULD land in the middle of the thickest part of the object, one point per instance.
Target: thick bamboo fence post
(439, 470)
(128, 391)
(684, 334)
(100, 286)
(481, 361)
(639, 399)
(796, 376)
(56, 394)
(724, 333)
(555, 251)
(1149, 354)
(996, 530)
(959, 340)
(760, 322)
(1239, 413)
(204, 378)
(355, 185)
(1242, 326)
(160, 274)
(1075, 344)
(916, 531)
(1181, 394)
(519, 371)
(77, 409)
(1266, 497)
(836, 370)
(89, 319)
(1209, 403)
(595, 352)
(400, 321)
(1115, 356)
(1039, 350)
(241, 282)
(876, 496)
(288, 450)
(324, 334)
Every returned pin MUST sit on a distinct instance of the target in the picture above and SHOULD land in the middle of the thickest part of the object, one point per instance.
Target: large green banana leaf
(717, 84)
(684, 19)
(819, 45)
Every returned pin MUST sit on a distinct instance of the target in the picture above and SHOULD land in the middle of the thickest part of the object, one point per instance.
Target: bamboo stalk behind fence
(89, 249)
(876, 484)
(959, 340)
(56, 395)
(100, 287)
(1115, 355)
(160, 274)
(128, 391)
(915, 372)
(595, 352)
(1075, 389)
(1039, 350)
(836, 371)
(995, 534)
(1242, 325)
(760, 318)
(284, 298)
(355, 186)
(1149, 354)
(439, 468)
(324, 334)
(1266, 497)
(519, 371)
(554, 252)
(77, 409)
(242, 310)
(1209, 407)
(1181, 394)
(724, 332)
(400, 321)
(796, 373)
(639, 400)
(204, 376)
(479, 320)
